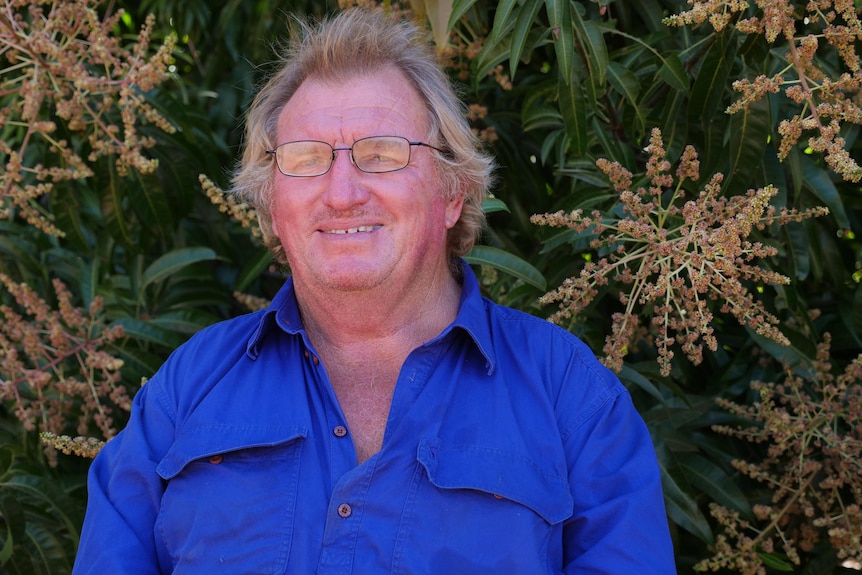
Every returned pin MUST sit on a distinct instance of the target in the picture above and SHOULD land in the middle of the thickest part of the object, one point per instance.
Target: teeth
(354, 230)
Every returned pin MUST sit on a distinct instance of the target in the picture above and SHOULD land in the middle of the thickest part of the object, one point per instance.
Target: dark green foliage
(589, 80)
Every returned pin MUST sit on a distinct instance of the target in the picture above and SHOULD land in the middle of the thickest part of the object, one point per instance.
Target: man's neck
(385, 317)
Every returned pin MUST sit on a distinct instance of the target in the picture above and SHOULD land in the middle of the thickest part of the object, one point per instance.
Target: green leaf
(439, 13)
(491, 205)
(89, 281)
(149, 332)
(508, 263)
(151, 201)
(627, 85)
(857, 311)
(174, 261)
(502, 20)
(797, 356)
(818, 181)
(491, 51)
(749, 129)
(186, 321)
(10, 515)
(112, 204)
(523, 25)
(673, 72)
(797, 244)
(592, 43)
(67, 217)
(776, 562)
(19, 252)
(42, 493)
(540, 116)
(682, 508)
(716, 483)
(712, 80)
(46, 550)
(459, 8)
(574, 114)
(253, 269)
(560, 17)
(674, 123)
(630, 376)
(488, 58)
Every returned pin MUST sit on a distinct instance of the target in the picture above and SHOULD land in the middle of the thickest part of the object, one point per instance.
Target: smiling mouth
(356, 230)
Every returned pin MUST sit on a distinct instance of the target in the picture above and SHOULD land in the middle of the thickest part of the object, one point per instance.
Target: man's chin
(352, 278)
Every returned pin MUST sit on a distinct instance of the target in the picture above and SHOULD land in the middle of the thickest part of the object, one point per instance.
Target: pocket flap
(498, 472)
(207, 440)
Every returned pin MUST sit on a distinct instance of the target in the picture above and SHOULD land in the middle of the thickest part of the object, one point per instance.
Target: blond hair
(352, 43)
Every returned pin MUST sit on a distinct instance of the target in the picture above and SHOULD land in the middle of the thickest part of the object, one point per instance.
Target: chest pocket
(486, 510)
(230, 484)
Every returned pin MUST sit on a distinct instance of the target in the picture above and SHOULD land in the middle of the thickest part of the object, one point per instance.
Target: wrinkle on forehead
(379, 103)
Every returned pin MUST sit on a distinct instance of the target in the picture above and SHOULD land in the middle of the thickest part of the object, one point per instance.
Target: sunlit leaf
(508, 263)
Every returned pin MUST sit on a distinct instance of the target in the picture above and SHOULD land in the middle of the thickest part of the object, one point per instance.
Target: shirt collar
(473, 319)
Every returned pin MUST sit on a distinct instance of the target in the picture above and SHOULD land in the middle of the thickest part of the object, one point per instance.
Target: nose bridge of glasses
(348, 149)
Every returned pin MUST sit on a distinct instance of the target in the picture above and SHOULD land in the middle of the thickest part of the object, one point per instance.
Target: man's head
(352, 44)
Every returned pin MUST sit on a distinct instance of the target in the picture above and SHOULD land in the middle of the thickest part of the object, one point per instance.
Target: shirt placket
(343, 521)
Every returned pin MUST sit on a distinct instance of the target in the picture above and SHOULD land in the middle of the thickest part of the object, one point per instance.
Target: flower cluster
(73, 93)
(53, 364)
(251, 302)
(811, 430)
(828, 97)
(80, 445)
(674, 258)
(229, 204)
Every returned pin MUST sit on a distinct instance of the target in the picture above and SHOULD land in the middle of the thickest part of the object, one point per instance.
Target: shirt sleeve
(619, 523)
(124, 494)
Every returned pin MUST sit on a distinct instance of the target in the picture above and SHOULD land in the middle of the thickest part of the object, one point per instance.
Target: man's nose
(344, 189)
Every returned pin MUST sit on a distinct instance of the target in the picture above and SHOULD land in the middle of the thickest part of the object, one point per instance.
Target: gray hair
(351, 43)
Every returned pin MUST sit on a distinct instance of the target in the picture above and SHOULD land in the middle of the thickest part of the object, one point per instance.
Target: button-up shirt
(509, 449)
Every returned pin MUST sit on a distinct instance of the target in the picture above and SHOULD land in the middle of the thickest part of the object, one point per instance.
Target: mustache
(352, 214)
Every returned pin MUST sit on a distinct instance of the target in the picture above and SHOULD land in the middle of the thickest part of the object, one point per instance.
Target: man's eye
(306, 161)
(311, 160)
(379, 159)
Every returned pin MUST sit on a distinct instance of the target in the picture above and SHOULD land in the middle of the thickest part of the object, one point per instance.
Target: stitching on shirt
(503, 453)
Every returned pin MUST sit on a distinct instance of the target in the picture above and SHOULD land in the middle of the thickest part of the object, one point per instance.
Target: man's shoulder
(220, 344)
(522, 325)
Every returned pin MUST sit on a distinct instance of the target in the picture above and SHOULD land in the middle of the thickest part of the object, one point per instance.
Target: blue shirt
(509, 449)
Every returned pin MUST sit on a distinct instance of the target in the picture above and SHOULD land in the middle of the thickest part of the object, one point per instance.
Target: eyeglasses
(373, 155)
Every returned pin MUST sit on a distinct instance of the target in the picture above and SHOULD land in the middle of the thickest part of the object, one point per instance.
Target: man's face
(349, 230)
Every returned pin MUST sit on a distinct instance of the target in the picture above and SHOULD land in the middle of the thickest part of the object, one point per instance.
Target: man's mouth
(355, 230)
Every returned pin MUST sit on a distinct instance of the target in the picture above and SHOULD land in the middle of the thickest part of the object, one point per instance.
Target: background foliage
(612, 117)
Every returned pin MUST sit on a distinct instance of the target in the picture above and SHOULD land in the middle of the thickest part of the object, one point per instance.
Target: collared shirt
(509, 449)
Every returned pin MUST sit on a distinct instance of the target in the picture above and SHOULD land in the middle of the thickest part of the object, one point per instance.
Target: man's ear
(454, 206)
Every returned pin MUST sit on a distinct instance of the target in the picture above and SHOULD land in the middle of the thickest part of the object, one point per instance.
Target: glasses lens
(304, 158)
(381, 154)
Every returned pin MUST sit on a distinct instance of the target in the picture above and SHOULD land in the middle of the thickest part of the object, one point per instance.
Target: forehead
(375, 104)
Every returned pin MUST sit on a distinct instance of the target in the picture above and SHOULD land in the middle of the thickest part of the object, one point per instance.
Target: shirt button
(339, 431)
(344, 510)
(216, 459)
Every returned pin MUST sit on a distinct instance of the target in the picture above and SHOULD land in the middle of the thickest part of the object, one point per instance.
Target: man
(380, 416)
